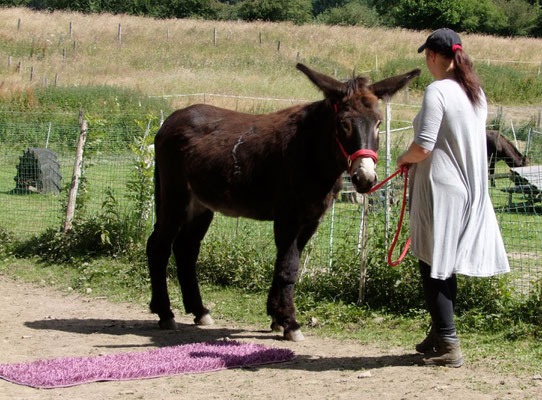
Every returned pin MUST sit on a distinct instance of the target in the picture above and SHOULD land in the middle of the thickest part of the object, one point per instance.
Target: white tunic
(453, 225)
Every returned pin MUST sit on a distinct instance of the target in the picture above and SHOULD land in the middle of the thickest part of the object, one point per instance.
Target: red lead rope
(400, 224)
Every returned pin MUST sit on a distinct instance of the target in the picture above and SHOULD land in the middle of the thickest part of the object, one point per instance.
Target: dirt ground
(40, 323)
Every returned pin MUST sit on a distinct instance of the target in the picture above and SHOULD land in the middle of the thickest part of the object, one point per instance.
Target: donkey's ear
(331, 87)
(388, 87)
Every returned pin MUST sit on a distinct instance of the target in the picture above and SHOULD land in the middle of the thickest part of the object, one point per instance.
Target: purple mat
(184, 359)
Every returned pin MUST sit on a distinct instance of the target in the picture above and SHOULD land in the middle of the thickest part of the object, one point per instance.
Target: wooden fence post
(119, 35)
(75, 177)
(48, 135)
(214, 36)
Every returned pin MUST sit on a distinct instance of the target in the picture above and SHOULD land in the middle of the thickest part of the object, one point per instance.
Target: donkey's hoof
(276, 327)
(294, 336)
(168, 324)
(204, 320)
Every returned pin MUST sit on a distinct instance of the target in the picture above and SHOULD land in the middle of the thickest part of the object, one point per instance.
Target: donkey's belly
(247, 207)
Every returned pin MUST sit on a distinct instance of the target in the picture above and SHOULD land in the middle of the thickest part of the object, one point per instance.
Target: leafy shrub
(237, 262)
(352, 13)
(141, 186)
(107, 234)
(297, 11)
(6, 241)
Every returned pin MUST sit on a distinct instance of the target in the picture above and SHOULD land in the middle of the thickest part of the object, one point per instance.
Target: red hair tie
(456, 47)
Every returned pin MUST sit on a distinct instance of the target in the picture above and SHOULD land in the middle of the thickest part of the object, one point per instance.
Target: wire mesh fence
(32, 153)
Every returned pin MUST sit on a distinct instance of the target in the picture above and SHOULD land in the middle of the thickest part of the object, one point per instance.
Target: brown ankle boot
(429, 344)
(448, 354)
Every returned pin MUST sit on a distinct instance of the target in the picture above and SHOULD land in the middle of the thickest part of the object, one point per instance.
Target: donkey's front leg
(280, 303)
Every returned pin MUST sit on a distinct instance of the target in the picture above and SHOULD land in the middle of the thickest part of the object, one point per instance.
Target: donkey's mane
(356, 84)
(358, 87)
(505, 143)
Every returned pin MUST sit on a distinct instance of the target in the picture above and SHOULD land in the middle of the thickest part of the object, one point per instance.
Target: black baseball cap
(441, 41)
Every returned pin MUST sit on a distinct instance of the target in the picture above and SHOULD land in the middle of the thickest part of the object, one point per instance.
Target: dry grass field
(180, 56)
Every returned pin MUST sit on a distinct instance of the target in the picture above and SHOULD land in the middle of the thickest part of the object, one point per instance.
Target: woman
(453, 225)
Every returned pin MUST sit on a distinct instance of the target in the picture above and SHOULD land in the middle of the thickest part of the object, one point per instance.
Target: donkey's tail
(156, 188)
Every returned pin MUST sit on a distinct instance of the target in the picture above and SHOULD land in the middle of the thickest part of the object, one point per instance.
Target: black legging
(440, 296)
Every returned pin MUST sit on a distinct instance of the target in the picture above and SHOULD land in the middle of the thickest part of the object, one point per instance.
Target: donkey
(285, 167)
(500, 148)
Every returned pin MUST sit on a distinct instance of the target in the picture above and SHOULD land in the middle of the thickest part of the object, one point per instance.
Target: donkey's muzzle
(364, 177)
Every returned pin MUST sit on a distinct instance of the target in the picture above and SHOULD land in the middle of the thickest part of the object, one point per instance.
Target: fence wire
(110, 164)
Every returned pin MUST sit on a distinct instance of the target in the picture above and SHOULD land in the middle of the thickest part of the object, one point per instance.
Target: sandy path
(38, 323)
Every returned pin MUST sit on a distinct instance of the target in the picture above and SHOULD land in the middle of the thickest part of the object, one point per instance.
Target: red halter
(350, 158)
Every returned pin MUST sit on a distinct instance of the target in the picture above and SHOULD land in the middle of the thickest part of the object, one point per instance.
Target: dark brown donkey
(500, 148)
(284, 167)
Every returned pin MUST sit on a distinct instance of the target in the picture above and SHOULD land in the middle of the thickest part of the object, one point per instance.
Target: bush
(236, 261)
(6, 241)
(297, 11)
(108, 234)
(86, 240)
(489, 304)
(353, 13)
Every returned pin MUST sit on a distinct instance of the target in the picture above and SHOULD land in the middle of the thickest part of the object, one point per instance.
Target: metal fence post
(388, 160)
(331, 235)
(363, 247)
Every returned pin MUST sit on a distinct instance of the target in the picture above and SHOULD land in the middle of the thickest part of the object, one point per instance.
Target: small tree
(297, 11)
(355, 12)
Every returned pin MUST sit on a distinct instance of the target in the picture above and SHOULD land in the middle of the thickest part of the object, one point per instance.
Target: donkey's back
(228, 161)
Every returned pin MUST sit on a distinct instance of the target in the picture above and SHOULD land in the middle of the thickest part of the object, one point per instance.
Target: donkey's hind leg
(186, 248)
(158, 252)
(170, 216)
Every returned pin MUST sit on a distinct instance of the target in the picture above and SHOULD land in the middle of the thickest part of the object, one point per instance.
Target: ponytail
(466, 77)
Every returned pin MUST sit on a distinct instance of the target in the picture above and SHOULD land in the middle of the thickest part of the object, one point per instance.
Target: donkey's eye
(346, 127)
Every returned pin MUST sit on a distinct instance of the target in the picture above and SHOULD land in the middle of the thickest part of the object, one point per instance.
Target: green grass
(121, 282)
(25, 215)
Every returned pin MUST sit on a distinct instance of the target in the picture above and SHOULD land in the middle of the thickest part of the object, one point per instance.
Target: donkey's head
(354, 105)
